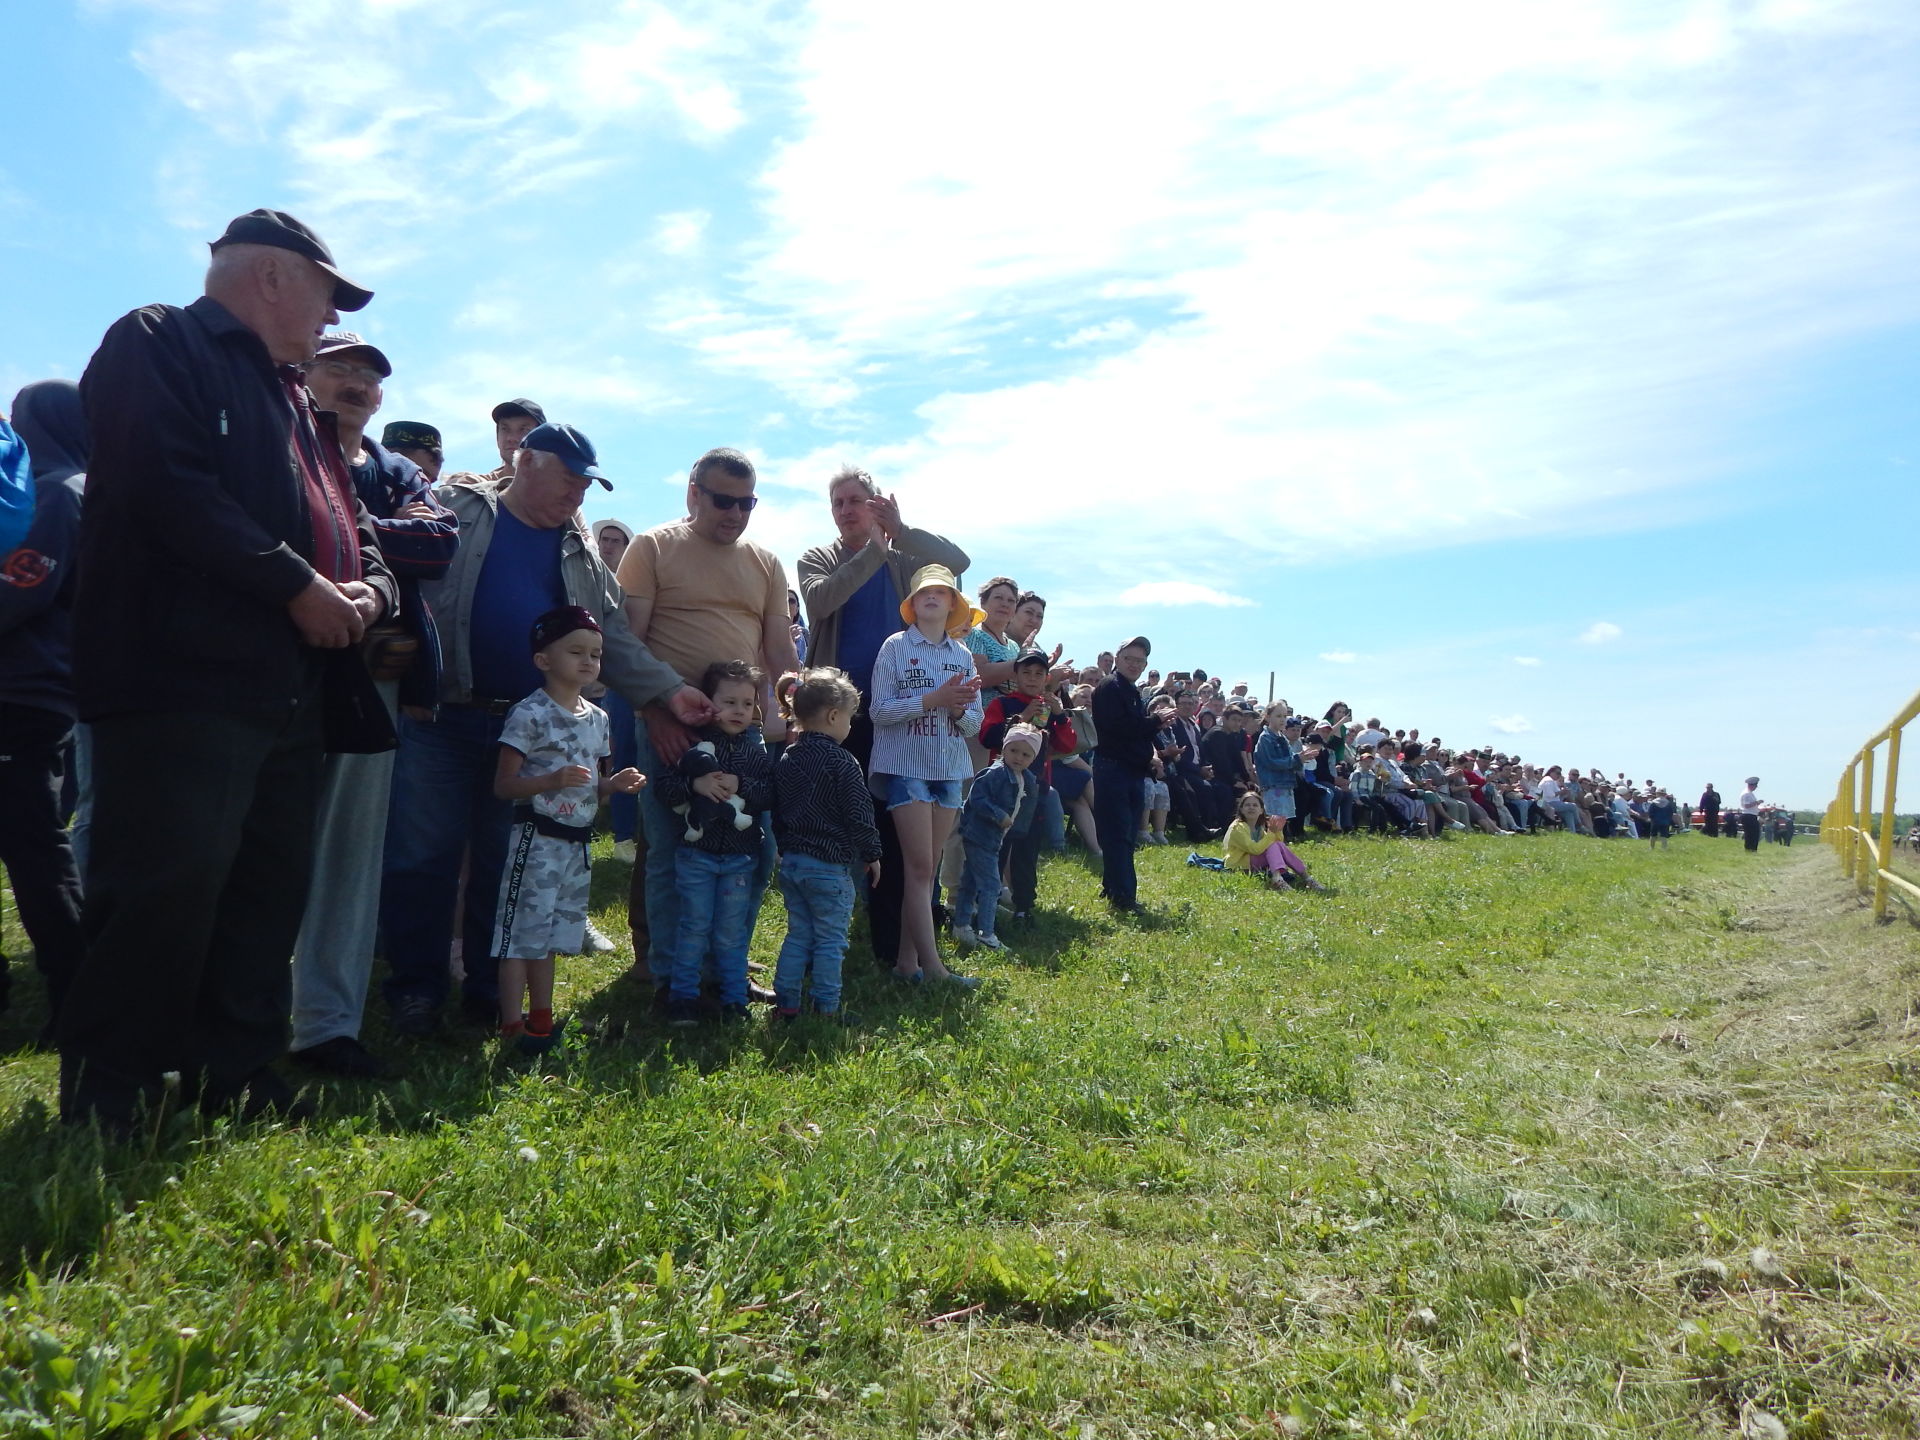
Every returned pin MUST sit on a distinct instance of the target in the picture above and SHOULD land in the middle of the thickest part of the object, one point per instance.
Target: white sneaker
(625, 850)
(597, 943)
(1455, 825)
(963, 935)
(1006, 894)
(989, 942)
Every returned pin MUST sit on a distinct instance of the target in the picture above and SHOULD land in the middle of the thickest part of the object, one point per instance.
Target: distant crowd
(273, 688)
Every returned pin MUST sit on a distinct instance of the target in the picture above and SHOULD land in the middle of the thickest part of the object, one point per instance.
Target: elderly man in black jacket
(228, 573)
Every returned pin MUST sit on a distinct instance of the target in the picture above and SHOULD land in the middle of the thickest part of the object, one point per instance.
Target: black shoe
(529, 1043)
(1127, 907)
(733, 1014)
(415, 1017)
(475, 1010)
(262, 1096)
(683, 1014)
(344, 1056)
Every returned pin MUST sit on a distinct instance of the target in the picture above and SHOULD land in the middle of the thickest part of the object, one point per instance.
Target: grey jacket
(627, 665)
(829, 575)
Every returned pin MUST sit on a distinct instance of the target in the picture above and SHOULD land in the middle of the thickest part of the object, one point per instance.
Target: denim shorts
(906, 790)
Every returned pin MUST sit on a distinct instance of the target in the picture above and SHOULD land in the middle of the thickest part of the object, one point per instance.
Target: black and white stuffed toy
(700, 812)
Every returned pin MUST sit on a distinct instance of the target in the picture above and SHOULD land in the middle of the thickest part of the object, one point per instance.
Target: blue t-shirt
(866, 620)
(519, 582)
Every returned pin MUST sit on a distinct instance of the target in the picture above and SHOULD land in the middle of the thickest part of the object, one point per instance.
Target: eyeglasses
(743, 503)
(340, 369)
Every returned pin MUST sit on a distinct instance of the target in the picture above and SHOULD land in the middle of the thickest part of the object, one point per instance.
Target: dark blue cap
(574, 449)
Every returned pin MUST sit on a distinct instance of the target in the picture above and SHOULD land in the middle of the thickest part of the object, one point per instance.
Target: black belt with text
(547, 825)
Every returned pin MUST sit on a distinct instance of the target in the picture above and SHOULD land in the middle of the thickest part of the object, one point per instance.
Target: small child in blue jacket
(1001, 803)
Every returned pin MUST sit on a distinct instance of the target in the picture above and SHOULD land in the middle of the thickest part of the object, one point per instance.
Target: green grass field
(1536, 1137)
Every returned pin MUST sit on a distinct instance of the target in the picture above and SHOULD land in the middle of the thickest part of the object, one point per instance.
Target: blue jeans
(1119, 796)
(443, 805)
(663, 830)
(819, 897)
(623, 811)
(714, 895)
(1568, 812)
(1052, 819)
(1521, 808)
(978, 892)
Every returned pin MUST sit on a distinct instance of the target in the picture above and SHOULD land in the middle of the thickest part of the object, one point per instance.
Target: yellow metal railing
(1865, 855)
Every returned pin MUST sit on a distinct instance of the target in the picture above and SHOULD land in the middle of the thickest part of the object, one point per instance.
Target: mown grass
(1502, 1138)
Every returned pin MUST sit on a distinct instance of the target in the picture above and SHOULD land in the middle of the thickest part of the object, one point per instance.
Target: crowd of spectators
(334, 705)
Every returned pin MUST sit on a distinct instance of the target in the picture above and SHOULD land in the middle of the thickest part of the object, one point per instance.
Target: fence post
(1843, 837)
(1863, 823)
(1886, 825)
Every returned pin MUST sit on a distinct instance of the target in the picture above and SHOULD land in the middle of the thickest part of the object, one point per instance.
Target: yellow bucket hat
(961, 618)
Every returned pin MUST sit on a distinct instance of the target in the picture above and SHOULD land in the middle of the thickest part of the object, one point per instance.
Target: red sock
(511, 1029)
(540, 1022)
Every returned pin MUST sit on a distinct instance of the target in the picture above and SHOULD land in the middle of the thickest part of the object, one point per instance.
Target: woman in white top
(1750, 813)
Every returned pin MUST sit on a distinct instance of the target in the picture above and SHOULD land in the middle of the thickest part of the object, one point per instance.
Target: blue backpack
(16, 490)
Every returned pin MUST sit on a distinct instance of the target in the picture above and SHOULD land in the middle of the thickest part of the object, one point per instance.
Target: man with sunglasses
(697, 592)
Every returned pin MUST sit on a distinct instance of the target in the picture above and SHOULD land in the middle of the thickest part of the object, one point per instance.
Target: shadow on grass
(64, 1188)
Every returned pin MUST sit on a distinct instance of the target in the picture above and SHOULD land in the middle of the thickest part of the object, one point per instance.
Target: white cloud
(783, 357)
(1511, 724)
(395, 124)
(682, 231)
(1338, 657)
(1104, 334)
(1474, 257)
(1180, 592)
(1528, 660)
(1600, 632)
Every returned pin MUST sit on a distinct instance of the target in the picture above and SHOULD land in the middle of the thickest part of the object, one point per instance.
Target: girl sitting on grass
(1253, 843)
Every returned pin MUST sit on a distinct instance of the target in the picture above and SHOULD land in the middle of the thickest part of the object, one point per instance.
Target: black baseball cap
(410, 435)
(336, 341)
(556, 624)
(1030, 657)
(281, 230)
(507, 409)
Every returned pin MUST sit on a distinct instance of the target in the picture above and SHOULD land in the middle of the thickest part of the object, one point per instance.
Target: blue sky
(1541, 374)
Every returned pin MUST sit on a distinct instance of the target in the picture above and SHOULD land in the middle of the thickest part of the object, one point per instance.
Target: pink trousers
(1277, 857)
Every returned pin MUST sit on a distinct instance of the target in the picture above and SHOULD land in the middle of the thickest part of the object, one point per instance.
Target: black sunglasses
(744, 503)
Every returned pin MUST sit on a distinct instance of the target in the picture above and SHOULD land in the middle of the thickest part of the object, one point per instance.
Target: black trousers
(1119, 797)
(197, 879)
(33, 843)
(1712, 821)
(1750, 831)
(1190, 804)
(883, 900)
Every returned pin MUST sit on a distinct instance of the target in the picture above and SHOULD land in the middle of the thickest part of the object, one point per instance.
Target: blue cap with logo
(574, 449)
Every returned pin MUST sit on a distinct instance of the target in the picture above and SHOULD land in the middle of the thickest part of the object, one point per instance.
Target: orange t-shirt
(710, 602)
